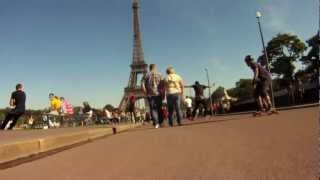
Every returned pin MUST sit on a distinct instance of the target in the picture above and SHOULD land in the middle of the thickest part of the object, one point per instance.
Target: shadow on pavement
(186, 123)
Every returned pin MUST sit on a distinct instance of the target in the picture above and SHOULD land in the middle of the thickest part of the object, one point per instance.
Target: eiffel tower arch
(139, 68)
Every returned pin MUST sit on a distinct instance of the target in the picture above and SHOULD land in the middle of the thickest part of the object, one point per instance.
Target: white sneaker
(157, 126)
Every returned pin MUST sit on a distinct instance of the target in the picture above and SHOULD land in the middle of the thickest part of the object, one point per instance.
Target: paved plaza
(242, 147)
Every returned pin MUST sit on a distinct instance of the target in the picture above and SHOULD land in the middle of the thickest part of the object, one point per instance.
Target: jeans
(174, 101)
(155, 103)
(198, 104)
(13, 115)
(189, 112)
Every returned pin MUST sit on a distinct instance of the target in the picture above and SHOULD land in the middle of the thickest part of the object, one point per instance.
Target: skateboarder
(261, 82)
(18, 103)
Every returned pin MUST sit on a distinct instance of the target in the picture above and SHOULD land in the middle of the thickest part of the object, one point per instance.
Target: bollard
(114, 130)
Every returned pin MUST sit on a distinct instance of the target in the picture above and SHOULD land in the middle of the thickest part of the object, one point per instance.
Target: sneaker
(269, 108)
(157, 126)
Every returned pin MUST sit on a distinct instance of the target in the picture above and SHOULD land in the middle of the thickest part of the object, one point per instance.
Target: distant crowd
(165, 96)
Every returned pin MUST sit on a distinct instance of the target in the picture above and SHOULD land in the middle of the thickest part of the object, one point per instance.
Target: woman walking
(174, 91)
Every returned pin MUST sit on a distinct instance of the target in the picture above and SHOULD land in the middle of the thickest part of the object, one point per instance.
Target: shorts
(262, 88)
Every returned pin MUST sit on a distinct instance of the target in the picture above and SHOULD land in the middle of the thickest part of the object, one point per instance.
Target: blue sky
(82, 49)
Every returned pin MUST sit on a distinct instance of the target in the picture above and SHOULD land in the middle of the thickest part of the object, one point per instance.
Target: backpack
(152, 84)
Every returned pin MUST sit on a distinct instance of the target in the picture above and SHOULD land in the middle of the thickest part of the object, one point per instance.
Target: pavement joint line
(22, 151)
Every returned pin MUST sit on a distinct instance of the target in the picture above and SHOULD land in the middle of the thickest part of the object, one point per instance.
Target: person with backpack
(151, 86)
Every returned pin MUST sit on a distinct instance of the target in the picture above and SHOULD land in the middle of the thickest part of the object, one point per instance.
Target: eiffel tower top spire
(138, 55)
(136, 3)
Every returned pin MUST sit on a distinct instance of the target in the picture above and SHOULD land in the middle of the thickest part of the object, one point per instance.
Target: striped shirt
(67, 107)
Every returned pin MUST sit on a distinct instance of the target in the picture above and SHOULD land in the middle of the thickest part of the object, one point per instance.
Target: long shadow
(199, 122)
(190, 123)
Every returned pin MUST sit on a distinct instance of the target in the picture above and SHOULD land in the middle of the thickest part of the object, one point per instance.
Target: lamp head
(258, 14)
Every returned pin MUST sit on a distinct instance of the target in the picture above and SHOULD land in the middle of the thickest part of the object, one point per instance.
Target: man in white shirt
(188, 103)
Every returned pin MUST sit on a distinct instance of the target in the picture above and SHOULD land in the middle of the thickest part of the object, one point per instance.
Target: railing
(308, 86)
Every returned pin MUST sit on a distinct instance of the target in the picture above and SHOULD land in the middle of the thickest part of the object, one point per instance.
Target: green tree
(243, 89)
(2, 114)
(312, 58)
(283, 50)
(218, 93)
(109, 107)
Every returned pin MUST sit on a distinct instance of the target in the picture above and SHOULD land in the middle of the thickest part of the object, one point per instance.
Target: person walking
(164, 111)
(87, 113)
(132, 107)
(174, 91)
(18, 104)
(151, 85)
(299, 90)
(291, 92)
(188, 103)
(200, 102)
(261, 82)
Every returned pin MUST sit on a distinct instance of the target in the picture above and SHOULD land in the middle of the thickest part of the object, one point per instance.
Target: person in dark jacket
(200, 102)
(18, 105)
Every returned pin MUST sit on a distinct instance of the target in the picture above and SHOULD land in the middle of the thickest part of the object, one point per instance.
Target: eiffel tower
(138, 66)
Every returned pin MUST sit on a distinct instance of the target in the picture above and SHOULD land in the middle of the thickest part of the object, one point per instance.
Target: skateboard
(268, 113)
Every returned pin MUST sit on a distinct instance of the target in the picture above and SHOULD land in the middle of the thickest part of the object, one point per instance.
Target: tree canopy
(218, 93)
(109, 107)
(283, 50)
(312, 58)
(242, 90)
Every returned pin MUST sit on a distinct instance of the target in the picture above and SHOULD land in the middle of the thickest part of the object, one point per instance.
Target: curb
(24, 149)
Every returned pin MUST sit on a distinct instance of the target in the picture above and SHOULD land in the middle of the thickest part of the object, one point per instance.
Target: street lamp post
(318, 70)
(259, 15)
(210, 98)
(318, 73)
